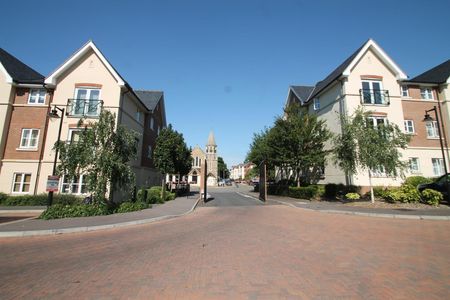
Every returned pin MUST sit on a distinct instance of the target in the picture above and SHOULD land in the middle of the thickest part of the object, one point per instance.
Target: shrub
(59, 211)
(131, 206)
(306, 192)
(404, 194)
(3, 197)
(331, 190)
(320, 190)
(379, 191)
(352, 196)
(170, 196)
(277, 189)
(416, 180)
(431, 197)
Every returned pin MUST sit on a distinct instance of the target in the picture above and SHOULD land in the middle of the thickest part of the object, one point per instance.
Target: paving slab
(30, 227)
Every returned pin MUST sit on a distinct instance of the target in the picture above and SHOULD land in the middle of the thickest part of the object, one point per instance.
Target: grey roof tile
(20, 72)
(302, 91)
(438, 74)
(149, 98)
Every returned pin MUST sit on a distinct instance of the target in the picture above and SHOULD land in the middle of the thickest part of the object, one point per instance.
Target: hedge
(306, 192)
(59, 211)
(132, 206)
(153, 195)
(39, 200)
(332, 190)
(432, 197)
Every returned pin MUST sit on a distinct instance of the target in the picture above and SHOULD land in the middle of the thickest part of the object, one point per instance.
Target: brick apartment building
(83, 85)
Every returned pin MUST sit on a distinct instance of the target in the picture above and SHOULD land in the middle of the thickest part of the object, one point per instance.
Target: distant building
(239, 171)
(199, 156)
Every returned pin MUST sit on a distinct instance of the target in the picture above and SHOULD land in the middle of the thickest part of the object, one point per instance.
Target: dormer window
(37, 96)
(316, 104)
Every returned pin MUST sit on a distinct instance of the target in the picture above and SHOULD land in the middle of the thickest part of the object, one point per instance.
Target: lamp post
(54, 114)
(428, 118)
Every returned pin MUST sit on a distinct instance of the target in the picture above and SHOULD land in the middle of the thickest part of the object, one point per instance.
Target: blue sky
(226, 65)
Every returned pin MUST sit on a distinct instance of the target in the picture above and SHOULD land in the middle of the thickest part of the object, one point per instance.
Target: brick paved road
(246, 252)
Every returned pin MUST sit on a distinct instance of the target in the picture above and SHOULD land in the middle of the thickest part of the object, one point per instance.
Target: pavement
(432, 213)
(22, 221)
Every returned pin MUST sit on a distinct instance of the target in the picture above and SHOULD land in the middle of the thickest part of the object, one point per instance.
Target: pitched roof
(302, 91)
(321, 85)
(149, 98)
(345, 68)
(438, 74)
(18, 71)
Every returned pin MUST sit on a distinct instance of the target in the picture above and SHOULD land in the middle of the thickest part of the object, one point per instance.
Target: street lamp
(54, 114)
(428, 118)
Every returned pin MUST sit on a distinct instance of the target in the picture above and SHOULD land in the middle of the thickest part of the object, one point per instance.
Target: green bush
(154, 195)
(404, 194)
(416, 180)
(379, 191)
(3, 197)
(352, 196)
(277, 189)
(131, 206)
(59, 211)
(432, 197)
(170, 196)
(332, 190)
(39, 200)
(307, 192)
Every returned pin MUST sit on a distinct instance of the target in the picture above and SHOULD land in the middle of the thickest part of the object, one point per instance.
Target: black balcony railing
(84, 107)
(374, 96)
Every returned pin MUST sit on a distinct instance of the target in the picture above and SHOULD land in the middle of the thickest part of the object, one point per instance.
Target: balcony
(84, 107)
(374, 97)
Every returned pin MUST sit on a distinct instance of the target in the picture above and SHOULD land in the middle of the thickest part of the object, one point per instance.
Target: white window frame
(151, 123)
(149, 151)
(417, 164)
(432, 130)
(404, 90)
(409, 126)
(22, 183)
(375, 118)
(86, 106)
(379, 172)
(426, 93)
(37, 97)
(371, 89)
(70, 134)
(438, 166)
(316, 104)
(69, 185)
(138, 116)
(28, 140)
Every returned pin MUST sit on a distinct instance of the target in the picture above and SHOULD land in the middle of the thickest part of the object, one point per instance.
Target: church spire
(211, 139)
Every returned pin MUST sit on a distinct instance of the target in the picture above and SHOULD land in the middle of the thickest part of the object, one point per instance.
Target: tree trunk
(163, 188)
(372, 198)
(298, 178)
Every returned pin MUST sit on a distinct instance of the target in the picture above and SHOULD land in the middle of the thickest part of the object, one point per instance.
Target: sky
(225, 66)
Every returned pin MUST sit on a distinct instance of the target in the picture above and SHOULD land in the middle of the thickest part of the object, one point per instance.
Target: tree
(259, 150)
(222, 168)
(297, 144)
(171, 155)
(369, 147)
(102, 155)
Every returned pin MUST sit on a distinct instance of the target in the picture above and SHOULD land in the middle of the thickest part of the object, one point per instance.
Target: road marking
(248, 196)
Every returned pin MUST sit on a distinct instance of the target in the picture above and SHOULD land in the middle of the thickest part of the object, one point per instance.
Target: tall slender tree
(368, 146)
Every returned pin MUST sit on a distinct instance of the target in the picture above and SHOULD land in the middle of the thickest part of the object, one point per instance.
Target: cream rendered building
(83, 85)
(368, 78)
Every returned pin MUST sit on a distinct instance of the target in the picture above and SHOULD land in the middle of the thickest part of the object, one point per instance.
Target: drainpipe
(44, 139)
(442, 122)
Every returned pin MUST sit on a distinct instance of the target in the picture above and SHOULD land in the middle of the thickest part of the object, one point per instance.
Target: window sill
(375, 104)
(433, 138)
(20, 193)
(37, 104)
(27, 149)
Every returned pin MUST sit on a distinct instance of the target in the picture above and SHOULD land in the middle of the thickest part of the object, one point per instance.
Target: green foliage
(416, 180)
(404, 194)
(222, 168)
(170, 196)
(332, 190)
(3, 197)
(153, 195)
(59, 211)
(131, 206)
(431, 197)
(363, 145)
(278, 189)
(306, 192)
(171, 155)
(259, 150)
(380, 191)
(102, 154)
(39, 200)
(352, 196)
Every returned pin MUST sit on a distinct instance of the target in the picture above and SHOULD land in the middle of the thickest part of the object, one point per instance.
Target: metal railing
(380, 97)
(84, 107)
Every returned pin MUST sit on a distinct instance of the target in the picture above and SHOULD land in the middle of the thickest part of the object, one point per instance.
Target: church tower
(211, 158)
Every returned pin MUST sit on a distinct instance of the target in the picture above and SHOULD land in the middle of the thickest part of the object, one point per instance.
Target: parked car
(228, 182)
(221, 183)
(441, 185)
